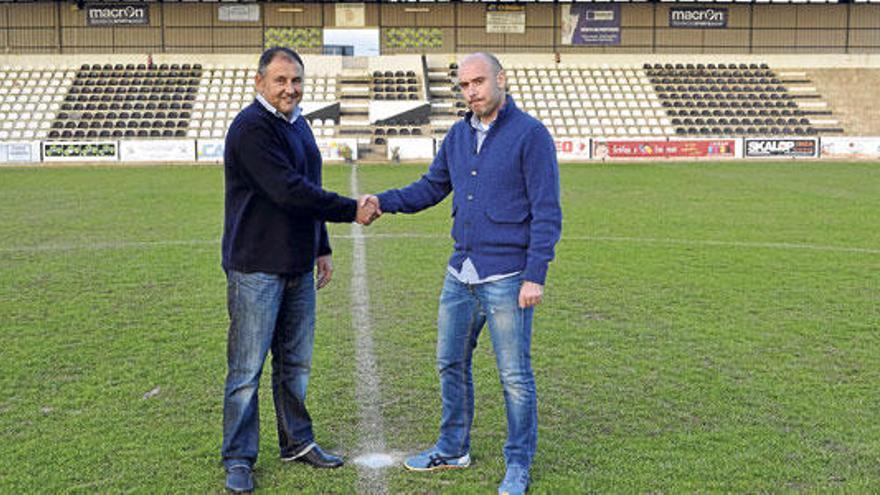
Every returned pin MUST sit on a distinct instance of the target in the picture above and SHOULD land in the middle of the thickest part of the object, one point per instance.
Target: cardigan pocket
(508, 216)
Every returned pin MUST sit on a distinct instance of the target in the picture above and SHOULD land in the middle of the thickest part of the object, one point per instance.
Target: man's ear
(501, 78)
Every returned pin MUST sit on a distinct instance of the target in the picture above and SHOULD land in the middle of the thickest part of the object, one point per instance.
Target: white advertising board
(572, 148)
(157, 150)
(210, 150)
(20, 152)
(411, 148)
(336, 149)
(850, 147)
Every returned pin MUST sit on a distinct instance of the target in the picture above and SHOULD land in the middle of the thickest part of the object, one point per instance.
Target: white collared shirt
(482, 130)
(274, 111)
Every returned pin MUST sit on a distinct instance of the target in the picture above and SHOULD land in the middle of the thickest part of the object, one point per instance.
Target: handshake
(368, 209)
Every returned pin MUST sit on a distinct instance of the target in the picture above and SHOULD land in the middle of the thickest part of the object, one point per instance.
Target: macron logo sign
(117, 15)
(697, 17)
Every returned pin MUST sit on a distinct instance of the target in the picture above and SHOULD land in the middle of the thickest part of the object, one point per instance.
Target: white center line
(370, 424)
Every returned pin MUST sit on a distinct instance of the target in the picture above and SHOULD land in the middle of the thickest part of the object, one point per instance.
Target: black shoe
(239, 479)
(316, 457)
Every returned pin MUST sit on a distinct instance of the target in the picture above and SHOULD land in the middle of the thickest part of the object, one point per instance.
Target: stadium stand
(730, 100)
(845, 91)
(29, 102)
(573, 100)
(120, 101)
(590, 101)
(183, 100)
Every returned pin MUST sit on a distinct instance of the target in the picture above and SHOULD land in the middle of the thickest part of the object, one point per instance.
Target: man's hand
(325, 270)
(530, 294)
(368, 209)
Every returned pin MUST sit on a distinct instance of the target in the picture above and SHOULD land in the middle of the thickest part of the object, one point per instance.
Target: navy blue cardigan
(506, 206)
(275, 207)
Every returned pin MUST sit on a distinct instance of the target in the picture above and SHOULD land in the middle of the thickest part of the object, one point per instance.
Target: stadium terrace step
(443, 122)
(351, 89)
(344, 121)
(802, 89)
(361, 131)
(354, 105)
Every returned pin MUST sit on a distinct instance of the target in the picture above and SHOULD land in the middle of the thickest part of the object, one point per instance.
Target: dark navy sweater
(275, 207)
(506, 206)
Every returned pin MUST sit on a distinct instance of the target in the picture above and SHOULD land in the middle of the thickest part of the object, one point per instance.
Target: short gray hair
(269, 55)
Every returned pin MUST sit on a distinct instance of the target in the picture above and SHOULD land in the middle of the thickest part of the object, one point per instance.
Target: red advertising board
(685, 148)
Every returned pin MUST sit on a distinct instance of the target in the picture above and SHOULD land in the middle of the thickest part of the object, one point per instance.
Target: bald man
(501, 164)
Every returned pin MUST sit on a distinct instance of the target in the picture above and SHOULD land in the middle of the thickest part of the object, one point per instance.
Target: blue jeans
(267, 311)
(464, 310)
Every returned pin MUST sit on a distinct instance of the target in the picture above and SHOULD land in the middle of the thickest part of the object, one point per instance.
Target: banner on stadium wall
(159, 150)
(698, 17)
(80, 151)
(336, 149)
(850, 147)
(210, 150)
(238, 13)
(591, 24)
(506, 19)
(350, 15)
(662, 149)
(781, 148)
(20, 152)
(111, 14)
(411, 148)
(572, 148)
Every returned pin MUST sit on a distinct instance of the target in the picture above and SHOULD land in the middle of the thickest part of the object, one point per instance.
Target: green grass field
(707, 327)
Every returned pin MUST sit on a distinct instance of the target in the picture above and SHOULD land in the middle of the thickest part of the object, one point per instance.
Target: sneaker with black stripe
(434, 460)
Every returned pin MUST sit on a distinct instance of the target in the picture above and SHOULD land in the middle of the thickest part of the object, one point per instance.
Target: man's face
(282, 85)
(481, 89)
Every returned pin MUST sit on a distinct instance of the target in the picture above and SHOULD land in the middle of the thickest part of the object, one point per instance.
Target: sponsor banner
(698, 17)
(661, 148)
(158, 150)
(20, 152)
(338, 149)
(238, 13)
(350, 15)
(851, 147)
(210, 150)
(508, 19)
(410, 148)
(572, 148)
(111, 14)
(781, 147)
(591, 24)
(80, 151)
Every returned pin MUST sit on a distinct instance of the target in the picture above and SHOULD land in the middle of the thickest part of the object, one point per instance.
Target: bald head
(483, 58)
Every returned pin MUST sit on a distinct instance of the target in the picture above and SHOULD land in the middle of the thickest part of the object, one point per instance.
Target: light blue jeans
(267, 311)
(464, 310)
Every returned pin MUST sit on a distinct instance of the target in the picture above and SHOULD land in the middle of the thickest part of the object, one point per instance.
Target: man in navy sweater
(501, 164)
(273, 237)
